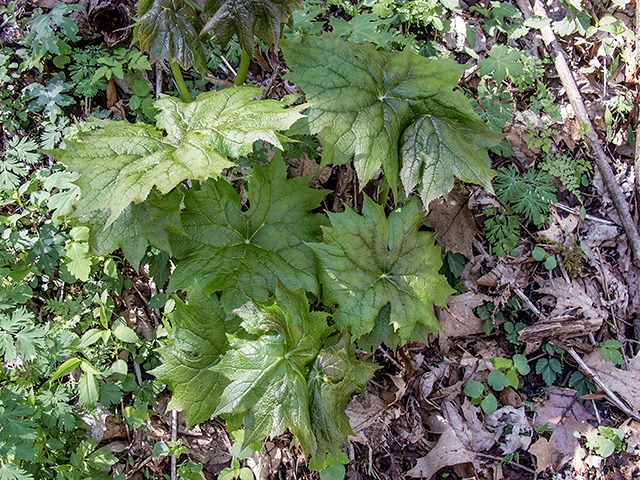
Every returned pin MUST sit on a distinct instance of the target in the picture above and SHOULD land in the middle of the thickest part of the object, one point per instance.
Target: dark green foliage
(169, 30)
(246, 19)
(529, 194)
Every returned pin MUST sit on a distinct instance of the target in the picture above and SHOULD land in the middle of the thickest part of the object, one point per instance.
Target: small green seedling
(505, 374)
(238, 453)
(539, 254)
(330, 468)
(605, 444)
(611, 351)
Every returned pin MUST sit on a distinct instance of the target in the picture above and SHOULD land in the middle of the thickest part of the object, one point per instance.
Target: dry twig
(592, 375)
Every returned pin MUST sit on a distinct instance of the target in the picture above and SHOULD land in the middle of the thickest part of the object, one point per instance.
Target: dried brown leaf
(459, 320)
(626, 383)
(448, 451)
(369, 418)
(542, 452)
(564, 414)
(470, 430)
(569, 296)
(454, 220)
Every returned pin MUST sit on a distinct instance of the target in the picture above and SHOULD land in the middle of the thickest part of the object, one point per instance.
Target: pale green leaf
(248, 18)
(229, 121)
(88, 390)
(66, 368)
(435, 150)
(362, 99)
(139, 225)
(121, 162)
(197, 343)
(76, 260)
(268, 373)
(242, 252)
(369, 260)
(362, 28)
(502, 61)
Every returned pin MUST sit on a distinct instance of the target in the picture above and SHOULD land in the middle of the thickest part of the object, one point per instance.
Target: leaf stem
(383, 196)
(182, 87)
(243, 68)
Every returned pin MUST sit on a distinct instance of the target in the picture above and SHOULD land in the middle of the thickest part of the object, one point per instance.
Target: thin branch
(569, 84)
(498, 459)
(267, 89)
(174, 437)
(567, 209)
(528, 303)
(591, 374)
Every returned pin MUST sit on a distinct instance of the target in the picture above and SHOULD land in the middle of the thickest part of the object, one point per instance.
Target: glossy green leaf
(268, 374)
(248, 18)
(369, 260)
(335, 375)
(241, 252)
(169, 30)
(435, 150)
(196, 344)
(521, 363)
(121, 162)
(362, 99)
(489, 404)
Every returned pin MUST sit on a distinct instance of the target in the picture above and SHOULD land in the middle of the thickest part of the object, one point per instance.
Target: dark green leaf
(248, 18)
(169, 30)
(241, 252)
(435, 150)
(497, 380)
(362, 114)
(473, 389)
(268, 374)
(335, 375)
(549, 369)
(197, 343)
(369, 260)
(137, 226)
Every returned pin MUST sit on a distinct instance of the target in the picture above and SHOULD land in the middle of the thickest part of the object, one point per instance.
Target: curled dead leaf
(459, 320)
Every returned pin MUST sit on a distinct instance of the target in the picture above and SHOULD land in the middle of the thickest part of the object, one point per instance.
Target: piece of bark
(563, 327)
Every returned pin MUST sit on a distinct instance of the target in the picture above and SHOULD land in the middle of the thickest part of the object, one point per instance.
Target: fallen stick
(593, 376)
(569, 84)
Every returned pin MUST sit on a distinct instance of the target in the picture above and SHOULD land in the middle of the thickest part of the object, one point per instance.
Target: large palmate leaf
(245, 252)
(140, 224)
(247, 18)
(335, 375)
(433, 151)
(268, 374)
(121, 162)
(196, 344)
(369, 260)
(169, 30)
(362, 99)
